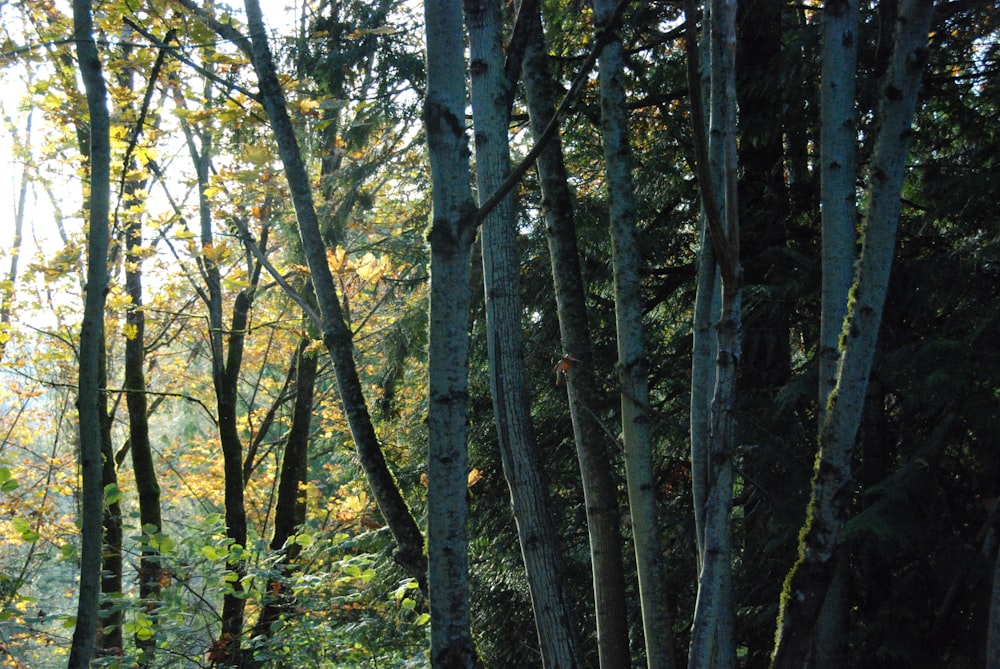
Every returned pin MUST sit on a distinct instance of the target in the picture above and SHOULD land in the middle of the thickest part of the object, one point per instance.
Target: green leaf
(112, 494)
(212, 553)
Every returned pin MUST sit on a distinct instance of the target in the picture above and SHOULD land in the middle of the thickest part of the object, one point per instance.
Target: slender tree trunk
(540, 549)
(596, 470)
(838, 188)
(8, 291)
(226, 364)
(92, 336)
(146, 482)
(110, 641)
(290, 509)
(451, 235)
(712, 633)
(336, 335)
(808, 582)
(632, 363)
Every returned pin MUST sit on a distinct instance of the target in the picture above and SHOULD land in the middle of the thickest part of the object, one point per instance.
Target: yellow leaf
(131, 331)
(309, 107)
(337, 258)
(258, 154)
(474, 477)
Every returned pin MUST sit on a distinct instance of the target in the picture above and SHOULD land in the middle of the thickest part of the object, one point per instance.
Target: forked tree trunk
(712, 632)
(92, 337)
(807, 583)
(600, 492)
(226, 359)
(536, 530)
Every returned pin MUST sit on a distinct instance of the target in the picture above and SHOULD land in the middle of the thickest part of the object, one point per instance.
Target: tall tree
(838, 196)
(540, 549)
(451, 234)
(808, 582)
(8, 292)
(632, 366)
(715, 149)
(89, 402)
(596, 472)
(337, 336)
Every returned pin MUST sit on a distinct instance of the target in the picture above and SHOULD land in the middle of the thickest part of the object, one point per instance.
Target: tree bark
(808, 581)
(451, 235)
(712, 636)
(632, 363)
(147, 485)
(540, 549)
(838, 181)
(839, 214)
(91, 337)
(596, 470)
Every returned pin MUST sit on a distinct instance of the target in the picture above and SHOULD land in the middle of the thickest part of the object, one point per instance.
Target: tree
(336, 336)
(554, 617)
(632, 365)
(808, 581)
(715, 157)
(89, 402)
(596, 471)
(451, 234)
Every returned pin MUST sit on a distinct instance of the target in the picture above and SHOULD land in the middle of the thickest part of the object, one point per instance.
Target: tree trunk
(147, 486)
(838, 188)
(92, 337)
(226, 363)
(808, 581)
(290, 508)
(632, 363)
(540, 549)
(600, 492)
(336, 335)
(8, 291)
(110, 641)
(838, 181)
(712, 635)
(451, 235)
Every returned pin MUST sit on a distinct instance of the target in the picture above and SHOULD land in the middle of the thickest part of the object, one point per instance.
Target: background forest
(644, 334)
